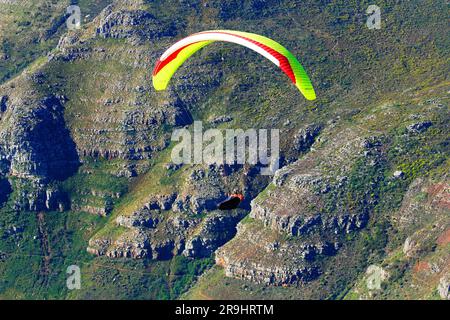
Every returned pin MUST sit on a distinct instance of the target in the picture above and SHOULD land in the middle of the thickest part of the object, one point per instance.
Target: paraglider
(179, 52)
(232, 202)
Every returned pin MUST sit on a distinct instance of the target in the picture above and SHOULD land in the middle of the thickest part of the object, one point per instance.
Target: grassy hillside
(30, 29)
(371, 85)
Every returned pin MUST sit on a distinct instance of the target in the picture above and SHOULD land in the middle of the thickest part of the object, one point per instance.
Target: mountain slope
(84, 133)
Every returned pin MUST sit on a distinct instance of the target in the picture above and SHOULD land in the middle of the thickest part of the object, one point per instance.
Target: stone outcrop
(36, 149)
(301, 216)
(155, 233)
(419, 127)
(311, 208)
(305, 137)
(215, 230)
(36, 142)
(136, 25)
(133, 244)
(262, 256)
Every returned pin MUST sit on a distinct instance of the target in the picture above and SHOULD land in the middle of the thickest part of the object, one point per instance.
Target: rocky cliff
(85, 164)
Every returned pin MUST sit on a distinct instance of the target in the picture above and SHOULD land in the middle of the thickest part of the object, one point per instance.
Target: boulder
(419, 127)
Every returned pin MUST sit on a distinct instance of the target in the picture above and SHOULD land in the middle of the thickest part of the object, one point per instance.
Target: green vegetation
(25, 274)
(184, 272)
(30, 29)
(376, 82)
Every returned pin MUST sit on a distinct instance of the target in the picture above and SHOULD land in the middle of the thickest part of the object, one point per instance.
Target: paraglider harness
(232, 202)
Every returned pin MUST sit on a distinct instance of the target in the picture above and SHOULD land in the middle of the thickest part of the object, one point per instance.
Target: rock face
(221, 119)
(179, 223)
(131, 245)
(215, 230)
(263, 256)
(91, 102)
(44, 137)
(36, 149)
(291, 225)
(159, 235)
(136, 25)
(37, 143)
(419, 127)
(175, 224)
(305, 137)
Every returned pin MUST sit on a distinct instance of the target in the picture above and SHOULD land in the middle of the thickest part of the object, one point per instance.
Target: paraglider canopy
(179, 52)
